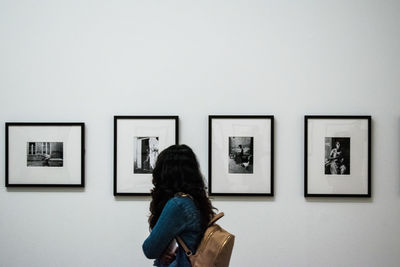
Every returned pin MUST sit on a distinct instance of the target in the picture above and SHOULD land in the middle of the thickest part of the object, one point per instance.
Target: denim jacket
(180, 217)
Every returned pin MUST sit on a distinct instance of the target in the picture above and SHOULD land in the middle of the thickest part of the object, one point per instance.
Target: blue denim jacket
(180, 217)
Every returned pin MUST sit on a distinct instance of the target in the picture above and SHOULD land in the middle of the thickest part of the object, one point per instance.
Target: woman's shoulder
(180, 199)
(181, 202)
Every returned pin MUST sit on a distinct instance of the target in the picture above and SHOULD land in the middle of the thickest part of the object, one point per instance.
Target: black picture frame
(123, 171)
(228, 169)
(39, 171)
(348, 129)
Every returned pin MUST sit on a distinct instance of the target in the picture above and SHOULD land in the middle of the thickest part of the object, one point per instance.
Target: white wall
(87, 60)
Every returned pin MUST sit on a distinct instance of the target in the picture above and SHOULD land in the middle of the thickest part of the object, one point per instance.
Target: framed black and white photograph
(241, 150)
(337, 156)
(138, 140)
(44, 154)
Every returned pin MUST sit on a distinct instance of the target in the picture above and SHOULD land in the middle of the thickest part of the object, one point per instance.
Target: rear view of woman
(179, 207)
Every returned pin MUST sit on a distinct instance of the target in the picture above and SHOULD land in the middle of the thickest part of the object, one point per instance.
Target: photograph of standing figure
(337, 155)
(146, 153)
(241, 154)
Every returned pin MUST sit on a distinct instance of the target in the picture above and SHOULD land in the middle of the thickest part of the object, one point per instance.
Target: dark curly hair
(177, 171)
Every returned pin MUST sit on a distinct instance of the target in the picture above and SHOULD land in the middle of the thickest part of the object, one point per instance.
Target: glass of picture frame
(241, 155)
(137, 142)
(45, 154)
(337, 156)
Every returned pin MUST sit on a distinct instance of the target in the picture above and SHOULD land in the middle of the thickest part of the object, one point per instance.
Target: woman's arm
(170, 224)
(332, 155)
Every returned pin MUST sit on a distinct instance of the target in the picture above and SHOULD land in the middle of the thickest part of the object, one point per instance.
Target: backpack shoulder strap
(185, 248)
(216, 218)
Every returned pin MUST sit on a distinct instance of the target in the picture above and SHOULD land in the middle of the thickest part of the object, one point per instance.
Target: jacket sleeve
(170, 224)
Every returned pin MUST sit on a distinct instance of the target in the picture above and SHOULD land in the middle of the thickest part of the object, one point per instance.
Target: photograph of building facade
(45, 154)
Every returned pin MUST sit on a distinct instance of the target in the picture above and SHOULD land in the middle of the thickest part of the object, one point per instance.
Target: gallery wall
(86, 61)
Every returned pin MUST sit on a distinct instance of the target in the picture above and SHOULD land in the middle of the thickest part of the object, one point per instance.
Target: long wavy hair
(177, 171)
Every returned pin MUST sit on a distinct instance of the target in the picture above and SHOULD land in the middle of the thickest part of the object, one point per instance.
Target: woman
(336, 159)
(179, 206)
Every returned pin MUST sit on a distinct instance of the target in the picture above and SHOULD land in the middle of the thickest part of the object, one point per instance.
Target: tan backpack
(215, 249)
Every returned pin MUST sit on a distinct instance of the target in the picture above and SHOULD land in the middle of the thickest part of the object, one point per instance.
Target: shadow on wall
(398, 156)
(44, 189)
